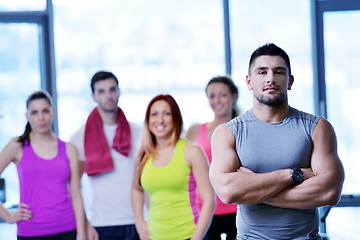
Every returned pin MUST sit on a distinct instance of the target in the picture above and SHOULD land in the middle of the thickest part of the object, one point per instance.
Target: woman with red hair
(169, 169)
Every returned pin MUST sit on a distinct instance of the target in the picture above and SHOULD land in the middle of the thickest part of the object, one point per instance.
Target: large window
(343, 91)
(254, 23)
(20, 75)
(152, 46)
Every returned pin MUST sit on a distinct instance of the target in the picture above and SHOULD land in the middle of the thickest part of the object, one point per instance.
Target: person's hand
(142, 230)
(22, 214)
(308, 173)
(91, 232)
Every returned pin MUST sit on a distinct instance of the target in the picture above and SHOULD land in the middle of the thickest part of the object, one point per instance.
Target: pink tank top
(44, 186)
(204, 143)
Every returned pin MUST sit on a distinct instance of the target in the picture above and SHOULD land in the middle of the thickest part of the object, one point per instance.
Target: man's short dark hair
(270, 49)
(100, 76)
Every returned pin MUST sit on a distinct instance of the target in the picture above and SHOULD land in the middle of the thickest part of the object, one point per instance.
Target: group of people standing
(157, 182)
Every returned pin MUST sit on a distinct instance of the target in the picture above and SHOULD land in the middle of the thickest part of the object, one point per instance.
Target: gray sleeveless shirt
(265, 147)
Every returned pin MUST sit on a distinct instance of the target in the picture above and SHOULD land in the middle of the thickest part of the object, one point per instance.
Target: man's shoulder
(245, 117)
(135, 130)
(303, 115)
(134, 126)
(78, 135)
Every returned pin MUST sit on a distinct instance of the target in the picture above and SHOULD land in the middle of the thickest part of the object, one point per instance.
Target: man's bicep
(324, 157)
(224, 157)
(223, 164)
(325, 160)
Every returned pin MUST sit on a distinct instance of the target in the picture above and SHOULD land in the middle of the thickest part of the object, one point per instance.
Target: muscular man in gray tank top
(277, 163)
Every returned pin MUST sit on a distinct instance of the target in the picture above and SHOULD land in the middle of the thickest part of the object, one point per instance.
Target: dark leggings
(222, 224)
(61, 236)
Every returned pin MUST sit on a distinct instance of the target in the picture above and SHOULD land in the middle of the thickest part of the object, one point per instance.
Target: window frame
(318, 8)
(44, 19)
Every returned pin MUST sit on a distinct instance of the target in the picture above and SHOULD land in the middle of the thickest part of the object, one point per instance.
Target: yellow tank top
(173, 212)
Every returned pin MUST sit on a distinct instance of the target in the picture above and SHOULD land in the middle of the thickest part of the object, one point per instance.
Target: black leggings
(222, 224)
(61, 236)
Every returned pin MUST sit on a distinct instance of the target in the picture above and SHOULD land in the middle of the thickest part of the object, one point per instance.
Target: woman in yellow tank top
(169, 169)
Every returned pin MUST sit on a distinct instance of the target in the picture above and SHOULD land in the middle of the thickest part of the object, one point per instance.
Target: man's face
(106, 95)
(269, 80)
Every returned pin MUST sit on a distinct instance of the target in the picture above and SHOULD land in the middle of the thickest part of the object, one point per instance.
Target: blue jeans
(123, 232)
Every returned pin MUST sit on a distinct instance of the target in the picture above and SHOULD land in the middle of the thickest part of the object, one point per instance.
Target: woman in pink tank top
(222, 95)
(50, 201)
